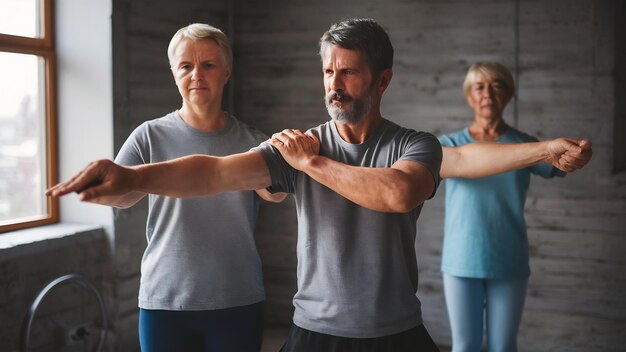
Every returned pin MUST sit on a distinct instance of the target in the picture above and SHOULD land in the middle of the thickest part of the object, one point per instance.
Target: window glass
(20, 17)
(22, 135)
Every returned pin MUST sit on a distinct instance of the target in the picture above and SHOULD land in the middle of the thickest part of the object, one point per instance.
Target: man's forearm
(382, 189)
(485, 159)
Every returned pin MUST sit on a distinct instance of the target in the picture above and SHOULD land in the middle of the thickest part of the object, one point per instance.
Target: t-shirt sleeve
(544, 170)
(134, 150)
(259, 136)
(282, 175)
(446, 141)
(425, 149)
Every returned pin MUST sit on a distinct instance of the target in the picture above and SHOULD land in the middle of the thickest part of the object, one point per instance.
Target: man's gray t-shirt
(357, 269)
(201, 253)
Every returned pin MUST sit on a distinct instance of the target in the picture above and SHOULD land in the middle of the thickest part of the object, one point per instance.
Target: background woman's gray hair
(197, 31)
(493, 70)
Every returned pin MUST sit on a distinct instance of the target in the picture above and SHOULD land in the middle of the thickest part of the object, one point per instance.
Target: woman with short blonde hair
(193, 296)
(485, 251)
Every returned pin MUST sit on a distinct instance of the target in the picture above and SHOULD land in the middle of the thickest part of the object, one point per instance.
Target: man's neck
(359, 132)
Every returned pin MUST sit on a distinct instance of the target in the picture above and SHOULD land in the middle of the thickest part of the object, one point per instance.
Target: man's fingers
(285, 134)
(289, 137)
(293, 132)
(275, 142)
(278, 144)
(295, 143)
(585, 144)
(281, 138)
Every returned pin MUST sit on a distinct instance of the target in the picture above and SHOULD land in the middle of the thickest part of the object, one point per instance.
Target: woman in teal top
(485, 251)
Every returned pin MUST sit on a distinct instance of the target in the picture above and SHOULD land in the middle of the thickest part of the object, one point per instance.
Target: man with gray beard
(360, 107)
(362, 193)
(359, 183)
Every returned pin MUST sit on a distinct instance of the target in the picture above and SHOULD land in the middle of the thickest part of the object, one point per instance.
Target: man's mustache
(338, 95)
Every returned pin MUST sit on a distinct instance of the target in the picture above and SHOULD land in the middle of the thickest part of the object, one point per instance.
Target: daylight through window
(27, 114)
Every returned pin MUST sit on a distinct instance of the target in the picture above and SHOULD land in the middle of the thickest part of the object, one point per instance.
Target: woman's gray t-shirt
(201, 253)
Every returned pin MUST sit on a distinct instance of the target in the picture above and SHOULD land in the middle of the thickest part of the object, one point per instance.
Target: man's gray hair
(365, 35)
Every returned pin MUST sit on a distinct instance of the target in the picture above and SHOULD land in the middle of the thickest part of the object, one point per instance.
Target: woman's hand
(99, 182)
(569, 154)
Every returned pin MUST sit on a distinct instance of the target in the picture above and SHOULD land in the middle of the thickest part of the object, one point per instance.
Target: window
(27, 114)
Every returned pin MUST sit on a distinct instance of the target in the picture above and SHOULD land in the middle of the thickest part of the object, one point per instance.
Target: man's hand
(97, 183)
(568, 154)
(296, 147)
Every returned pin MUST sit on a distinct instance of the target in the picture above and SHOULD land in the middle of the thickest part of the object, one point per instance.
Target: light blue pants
(470, 301)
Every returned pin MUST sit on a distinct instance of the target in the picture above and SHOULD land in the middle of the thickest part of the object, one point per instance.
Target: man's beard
(360, 107)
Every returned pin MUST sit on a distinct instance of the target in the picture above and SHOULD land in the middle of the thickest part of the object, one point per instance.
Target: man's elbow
(405, 200)
(410, 195)
(274, 197)
(406, 206)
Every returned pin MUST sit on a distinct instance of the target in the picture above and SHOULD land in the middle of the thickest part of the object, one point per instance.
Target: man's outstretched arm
(485, 159)
(104, 182)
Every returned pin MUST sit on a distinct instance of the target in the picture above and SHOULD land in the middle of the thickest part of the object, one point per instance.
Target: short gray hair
(493, 70)
(365, 35)
(198, 31)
